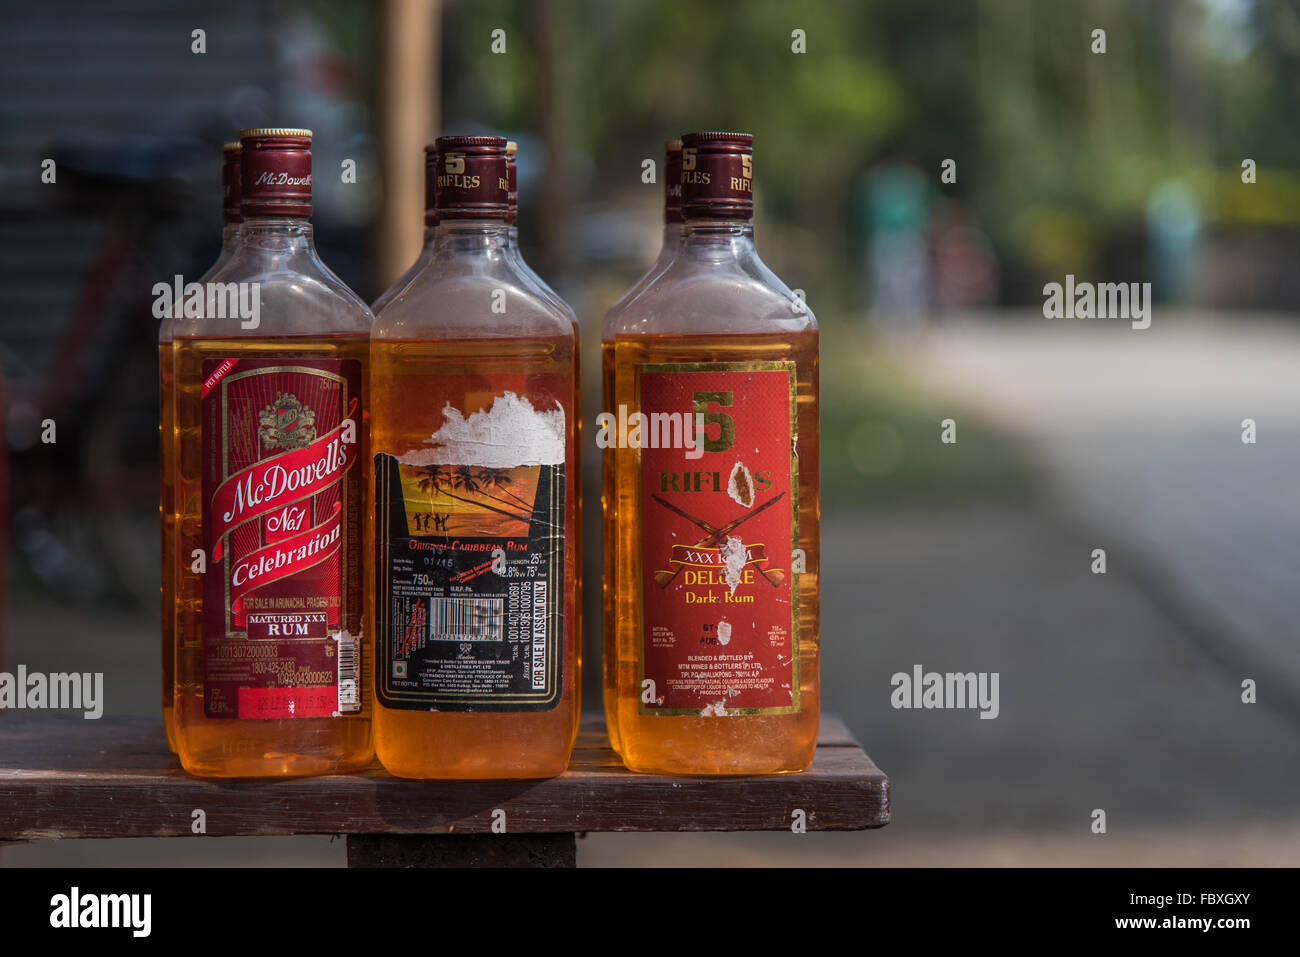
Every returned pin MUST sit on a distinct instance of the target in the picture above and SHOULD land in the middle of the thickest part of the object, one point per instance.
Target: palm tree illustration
(430, 483)
(500, 479)
(449, 480)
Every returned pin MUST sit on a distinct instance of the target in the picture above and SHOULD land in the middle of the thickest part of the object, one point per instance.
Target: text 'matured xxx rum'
(270, 477)
(713, 549)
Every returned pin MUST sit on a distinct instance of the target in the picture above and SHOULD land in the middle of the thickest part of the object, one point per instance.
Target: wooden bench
(72, 778)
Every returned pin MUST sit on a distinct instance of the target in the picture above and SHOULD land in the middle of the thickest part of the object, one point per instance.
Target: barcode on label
(466, 619)
(349, 675)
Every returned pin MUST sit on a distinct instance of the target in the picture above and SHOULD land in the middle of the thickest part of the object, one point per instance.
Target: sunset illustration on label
(478, 474)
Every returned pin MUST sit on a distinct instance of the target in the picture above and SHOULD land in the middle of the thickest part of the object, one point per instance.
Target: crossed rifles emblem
(714, 536)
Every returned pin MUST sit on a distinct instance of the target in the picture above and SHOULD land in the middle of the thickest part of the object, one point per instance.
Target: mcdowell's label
(720, 606)
(281, 524)
(469, 563)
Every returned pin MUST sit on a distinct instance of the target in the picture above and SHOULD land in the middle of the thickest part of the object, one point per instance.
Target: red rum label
(281, 525)
(719, 601)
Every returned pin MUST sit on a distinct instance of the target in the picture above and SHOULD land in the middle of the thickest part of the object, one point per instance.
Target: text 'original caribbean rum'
(713, 534)
(475, 488)
(231, 219)
(271, 378)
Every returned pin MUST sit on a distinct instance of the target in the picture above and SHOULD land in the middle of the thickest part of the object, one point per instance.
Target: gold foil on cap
(274, 131)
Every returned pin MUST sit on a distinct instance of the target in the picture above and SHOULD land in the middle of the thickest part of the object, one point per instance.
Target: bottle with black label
(472, 427)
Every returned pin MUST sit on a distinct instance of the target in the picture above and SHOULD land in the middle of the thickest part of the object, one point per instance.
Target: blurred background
(1118, 157)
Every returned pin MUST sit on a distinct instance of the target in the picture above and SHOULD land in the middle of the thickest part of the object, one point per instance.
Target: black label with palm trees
(469, 590)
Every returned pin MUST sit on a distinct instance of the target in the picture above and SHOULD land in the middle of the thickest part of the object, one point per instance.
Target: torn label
(741, 485)
(733, 558)
(724, 632)
(510, 433)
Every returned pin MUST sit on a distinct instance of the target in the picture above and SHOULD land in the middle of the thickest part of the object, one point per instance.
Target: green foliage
(1058, 148)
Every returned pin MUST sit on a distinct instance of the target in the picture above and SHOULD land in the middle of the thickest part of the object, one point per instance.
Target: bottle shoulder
(450, 299)
(612, 323)
(168, 326)
(690, 298)
(296, 295)
(543, 289)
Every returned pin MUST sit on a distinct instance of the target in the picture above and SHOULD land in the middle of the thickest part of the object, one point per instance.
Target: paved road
(1142, 431)
(1105, 703)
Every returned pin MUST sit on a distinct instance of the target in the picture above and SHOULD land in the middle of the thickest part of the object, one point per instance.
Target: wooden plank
(115, 778)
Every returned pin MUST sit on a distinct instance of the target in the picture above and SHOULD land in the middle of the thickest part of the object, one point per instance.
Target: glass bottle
(167, 437)
(715, 535)
(271, 380)
(609, 328)
(473, 421)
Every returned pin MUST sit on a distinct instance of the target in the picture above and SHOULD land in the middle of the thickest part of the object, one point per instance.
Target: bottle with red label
(475, 497)
(711, 525)
(167, 435)
(270, 359)
(610, 327)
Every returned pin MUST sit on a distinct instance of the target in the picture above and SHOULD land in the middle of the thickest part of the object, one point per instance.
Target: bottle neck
(269, 244)
(230, 236)
(469, 236)
(276, 234)
(716, 240)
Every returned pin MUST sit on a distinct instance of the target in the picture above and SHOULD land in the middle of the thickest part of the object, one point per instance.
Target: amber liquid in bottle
(743, 744)
(167, 443)
(238, 748)
(411, 383)
(262, 747)
(167, 527)
(608, 566)
(609, 327)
